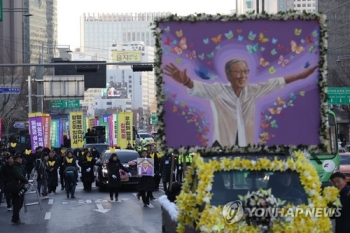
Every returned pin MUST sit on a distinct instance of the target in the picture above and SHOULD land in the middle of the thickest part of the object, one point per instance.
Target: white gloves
(114, 177)
(130, 175)
(96, 158)
(88, 170)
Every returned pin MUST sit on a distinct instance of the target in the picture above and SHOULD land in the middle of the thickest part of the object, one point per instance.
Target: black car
(124, 156)
(100, 147)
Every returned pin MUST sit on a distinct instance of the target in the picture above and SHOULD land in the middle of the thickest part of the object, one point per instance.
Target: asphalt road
(89, 213)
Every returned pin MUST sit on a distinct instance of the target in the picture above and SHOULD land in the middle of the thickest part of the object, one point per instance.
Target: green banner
(0, 10)
(54, 137)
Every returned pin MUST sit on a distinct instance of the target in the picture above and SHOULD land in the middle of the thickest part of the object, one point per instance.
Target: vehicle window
(145, 135)
(228, 185)
(345, 160)
(332, 135)
(99, 148)
(124, 156)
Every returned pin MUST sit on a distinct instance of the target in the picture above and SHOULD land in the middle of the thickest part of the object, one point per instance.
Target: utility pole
(30, 110)
(40, 85)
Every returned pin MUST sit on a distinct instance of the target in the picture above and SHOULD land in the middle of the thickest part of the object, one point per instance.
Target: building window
(129, 86)
(109, 103)
(129, 76)
(309, 4)
(95, 103)
(298, 5)
(129, 91)
(304, 5)
(130, 81)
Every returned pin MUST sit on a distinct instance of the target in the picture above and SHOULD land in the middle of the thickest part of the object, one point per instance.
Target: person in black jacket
(87, 170)
(71, 176)
(52, 167)
(113, 167)
(342, 223)
(5, 172)
(41, 168)
(61, 166)
(165, 170)
(145, 184)
(17, 179)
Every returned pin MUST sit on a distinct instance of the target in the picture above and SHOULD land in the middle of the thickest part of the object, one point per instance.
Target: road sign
(338, 95)
(10, 90)
(65, 104)
(154, 118)
(20, 125)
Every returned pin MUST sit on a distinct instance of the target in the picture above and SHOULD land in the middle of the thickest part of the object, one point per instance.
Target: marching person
(157, 158)
(52, 173)
(41, 168)
(71, 176)
(5, 174)
(17, 189)
(62, 168)
(165, 169)
(87, 170)
(113, 167)
(145, 185)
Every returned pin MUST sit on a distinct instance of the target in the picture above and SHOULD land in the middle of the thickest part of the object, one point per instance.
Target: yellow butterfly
(27, 152)
(264, 63)
(272, 70)
(69, 160)
(62, 151)
(280, 101)
(263, 39)
(296, 48)
(274, 111)
(13, 144)
(51, 163)
(183, 113)
(302, 93)
(217, 39)
(179, 33)
(89, 158)
(112, 149)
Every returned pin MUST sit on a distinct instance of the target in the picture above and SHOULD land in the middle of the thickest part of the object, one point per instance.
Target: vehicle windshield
(124, 156)
(345, 159)
(229, 185)
(99, 147)
(145, 135)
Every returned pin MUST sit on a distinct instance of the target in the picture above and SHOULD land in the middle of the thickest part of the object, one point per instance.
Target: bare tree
(13, 106)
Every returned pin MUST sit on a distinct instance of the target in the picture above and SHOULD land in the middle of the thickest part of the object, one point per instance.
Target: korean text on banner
(33, 133)
(124, 129)
(46, 129)
(60, 132)
(104, 123)
(54, 133)
(111, 130)
(115, 125)
(40, 130)
(76, 129)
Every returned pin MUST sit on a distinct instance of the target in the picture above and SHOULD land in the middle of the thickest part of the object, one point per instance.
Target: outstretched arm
(303, 75)
(178, 75)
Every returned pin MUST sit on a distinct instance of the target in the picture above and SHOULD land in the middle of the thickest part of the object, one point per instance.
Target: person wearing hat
(17, 184)
(41, 167)
(5, 173)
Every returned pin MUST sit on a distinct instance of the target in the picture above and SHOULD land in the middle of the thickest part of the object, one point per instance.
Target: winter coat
(52, 175)
(113, 169)
(86, 163)
(157, 158)
(40, 167)
(16, 177)
(67, 162)
(5, 173)
(146, 183)
(165, 167)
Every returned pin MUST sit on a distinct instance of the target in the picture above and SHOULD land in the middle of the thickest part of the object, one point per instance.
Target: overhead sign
(10, 90)
(21, 125)
(64, 87)
(65, 104)
(338, 95)
(154, 118)
(126, 56)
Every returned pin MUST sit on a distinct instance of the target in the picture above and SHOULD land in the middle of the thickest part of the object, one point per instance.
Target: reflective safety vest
(188, 158)
(144, 142)
(139, 148)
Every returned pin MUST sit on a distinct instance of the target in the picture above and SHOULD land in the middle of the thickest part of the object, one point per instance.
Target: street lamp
(25, 10)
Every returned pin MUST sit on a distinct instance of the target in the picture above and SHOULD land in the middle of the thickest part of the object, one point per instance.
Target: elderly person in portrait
(146, 168)
(233, 104)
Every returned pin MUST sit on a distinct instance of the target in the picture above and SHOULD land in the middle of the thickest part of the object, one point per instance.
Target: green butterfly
(210, 55)
(297, 32)
(253, 49)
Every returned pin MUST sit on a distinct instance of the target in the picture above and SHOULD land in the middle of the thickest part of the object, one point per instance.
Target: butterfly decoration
(306, 65)
(175, 108)
(183, 104)
(229, 35)
(167, 29)
(202, 115)
(273, 124)
(202, 72)
(13, 144)
(239, 31)
(209, 63)
(290, 103)
(112, 149)
(287, 50)
(199, 129)
(264, 63)
(272, 70)
(291, 57)
(253, 49)
(309, 40)
(274, 111)
(292, 96)
(177, 102)
(181, 47)
(191, 55)
(174, 95)
(165, 50)
(206, 41)
(218, 47)
(262, 49)
(27, 152)
(302, 41)
(217, 39)
(264, 125)
(206, 129)
(283, 62)
(274, 41)
(165, 90)
(178, 60)
(316, 42)
(63, 151)
(263, 39)
(316, 52)
(210, 55)
(174, 42)
(315, 33)
(168, 41)
(240, 38)
(183, 113)
(201, 56)
(273, 52)
(268, 118)
(296, 48)
(302, 93)
(297, 31)
(179, 33)
(279, 47)
(251, 36)
(311, 49)
(280, 101)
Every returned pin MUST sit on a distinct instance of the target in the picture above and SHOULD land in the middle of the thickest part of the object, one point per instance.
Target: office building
(285, 5)
(246, 6)
(99, 31)
(305, 5)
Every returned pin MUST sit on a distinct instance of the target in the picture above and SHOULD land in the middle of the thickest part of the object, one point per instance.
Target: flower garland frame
(289, 15)
(211, 218)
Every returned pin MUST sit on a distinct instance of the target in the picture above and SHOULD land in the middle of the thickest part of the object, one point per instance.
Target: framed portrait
(145, 166)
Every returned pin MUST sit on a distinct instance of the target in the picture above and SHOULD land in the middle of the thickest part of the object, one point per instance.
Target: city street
(89, 213)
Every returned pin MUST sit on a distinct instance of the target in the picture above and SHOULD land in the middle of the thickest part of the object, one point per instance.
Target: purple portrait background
(188, 119)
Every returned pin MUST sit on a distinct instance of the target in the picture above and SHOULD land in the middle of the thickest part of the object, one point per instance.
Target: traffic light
(140, 68)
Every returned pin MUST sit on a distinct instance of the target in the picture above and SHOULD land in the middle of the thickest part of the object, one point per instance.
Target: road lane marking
(88, 201)
(47, 216)
(50, 201)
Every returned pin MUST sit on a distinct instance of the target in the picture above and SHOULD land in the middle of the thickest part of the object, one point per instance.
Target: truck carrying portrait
(250, 82)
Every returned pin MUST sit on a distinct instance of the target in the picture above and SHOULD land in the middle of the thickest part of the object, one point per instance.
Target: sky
(69, 12)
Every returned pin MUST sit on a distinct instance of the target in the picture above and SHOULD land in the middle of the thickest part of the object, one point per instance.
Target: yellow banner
(126, 56)
(76, 133)
(91, 122)
(125, 123)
